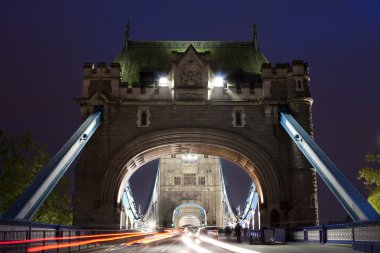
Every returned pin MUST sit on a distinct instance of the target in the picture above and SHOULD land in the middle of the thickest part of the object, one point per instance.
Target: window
(177, 181)
(238, 117)
(189, 179)
(143, 116)
(299, 85)
(201, 180)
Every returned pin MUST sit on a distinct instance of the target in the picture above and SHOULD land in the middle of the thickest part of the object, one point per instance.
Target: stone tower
(203, 97)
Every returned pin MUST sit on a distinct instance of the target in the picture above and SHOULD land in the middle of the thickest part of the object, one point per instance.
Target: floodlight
(163, 81)
(218, 81)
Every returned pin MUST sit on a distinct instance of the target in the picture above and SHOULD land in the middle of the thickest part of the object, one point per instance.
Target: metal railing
(19, 236)
(364, 236)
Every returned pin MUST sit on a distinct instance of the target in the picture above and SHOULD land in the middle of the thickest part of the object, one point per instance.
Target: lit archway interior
(232, 147)
(189, 214)
(190, 220)
(231, 155)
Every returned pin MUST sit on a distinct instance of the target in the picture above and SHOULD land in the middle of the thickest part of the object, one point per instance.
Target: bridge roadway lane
(170, 245)
(177, 245)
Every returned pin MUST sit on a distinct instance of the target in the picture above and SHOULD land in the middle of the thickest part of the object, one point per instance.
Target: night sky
(44, 44)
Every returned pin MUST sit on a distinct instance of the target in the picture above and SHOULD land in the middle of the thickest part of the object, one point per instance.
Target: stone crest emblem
(191, 74)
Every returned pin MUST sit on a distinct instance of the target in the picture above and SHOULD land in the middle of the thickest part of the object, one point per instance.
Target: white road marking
(165, 249)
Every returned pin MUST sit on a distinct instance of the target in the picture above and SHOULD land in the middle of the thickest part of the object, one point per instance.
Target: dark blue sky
(44, 44)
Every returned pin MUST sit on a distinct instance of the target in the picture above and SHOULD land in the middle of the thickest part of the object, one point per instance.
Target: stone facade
(184, 181)
(215, 98)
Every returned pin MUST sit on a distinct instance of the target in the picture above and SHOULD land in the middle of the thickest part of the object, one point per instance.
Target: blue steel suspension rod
(33, 197)
(228, 195)
(352, 201)
(251, 202)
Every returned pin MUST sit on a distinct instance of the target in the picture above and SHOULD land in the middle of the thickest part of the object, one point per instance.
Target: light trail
(193, 246)
(226, 245)
(153, 238)
(73, 244)
(13, 242)
(93, 239)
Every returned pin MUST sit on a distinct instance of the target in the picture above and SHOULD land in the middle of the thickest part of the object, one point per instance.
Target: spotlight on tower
(163, 81)
(218, 81)
(189, 157)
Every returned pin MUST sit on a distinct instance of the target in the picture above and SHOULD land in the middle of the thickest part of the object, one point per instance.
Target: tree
(371, 177)
(21, 159)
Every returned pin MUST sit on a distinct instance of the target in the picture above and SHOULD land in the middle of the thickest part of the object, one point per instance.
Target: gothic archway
(133, 154)
(194, 214)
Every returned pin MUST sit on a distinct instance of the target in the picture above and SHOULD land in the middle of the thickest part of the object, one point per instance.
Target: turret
(101, 79)
(285, 81)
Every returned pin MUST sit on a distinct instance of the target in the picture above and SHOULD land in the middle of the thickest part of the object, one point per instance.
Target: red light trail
(13, 242)
(73, 244)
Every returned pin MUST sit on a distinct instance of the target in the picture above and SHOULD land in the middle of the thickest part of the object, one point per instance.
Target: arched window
(143, 118)
(238, 118)
(299, 85)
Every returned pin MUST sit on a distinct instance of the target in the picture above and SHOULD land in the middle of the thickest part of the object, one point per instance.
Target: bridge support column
(256, 218)
(252, 219)
(304, 205)
(122, 220)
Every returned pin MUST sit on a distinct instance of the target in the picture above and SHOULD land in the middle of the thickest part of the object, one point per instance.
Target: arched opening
(189, 214)
(232, 147)
(217, 185)
(189, 220)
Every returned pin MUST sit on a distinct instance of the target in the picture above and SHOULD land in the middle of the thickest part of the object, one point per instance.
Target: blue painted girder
(251, 203)
(129, 203)
(32, 198)
(352, 201)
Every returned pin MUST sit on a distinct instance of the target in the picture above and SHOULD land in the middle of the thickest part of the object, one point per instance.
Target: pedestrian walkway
(292, 247)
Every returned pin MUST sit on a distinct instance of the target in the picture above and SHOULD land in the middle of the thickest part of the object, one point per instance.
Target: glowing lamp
(163, 81)
(218, 81)
(189, 157)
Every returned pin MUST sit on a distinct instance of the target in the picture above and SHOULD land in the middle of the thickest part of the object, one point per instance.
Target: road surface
(183, 244)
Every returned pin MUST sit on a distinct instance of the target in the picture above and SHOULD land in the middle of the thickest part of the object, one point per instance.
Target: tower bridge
(164, 98)
(216, 98)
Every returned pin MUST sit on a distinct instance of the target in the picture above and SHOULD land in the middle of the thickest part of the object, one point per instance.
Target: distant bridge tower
(194, 180)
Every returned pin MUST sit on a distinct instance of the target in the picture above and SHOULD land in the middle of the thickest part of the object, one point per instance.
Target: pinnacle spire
(254, 31)
(254, 36)
(127, 33)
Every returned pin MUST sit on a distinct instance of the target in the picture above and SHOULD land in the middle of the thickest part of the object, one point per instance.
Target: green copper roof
(156, 55)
